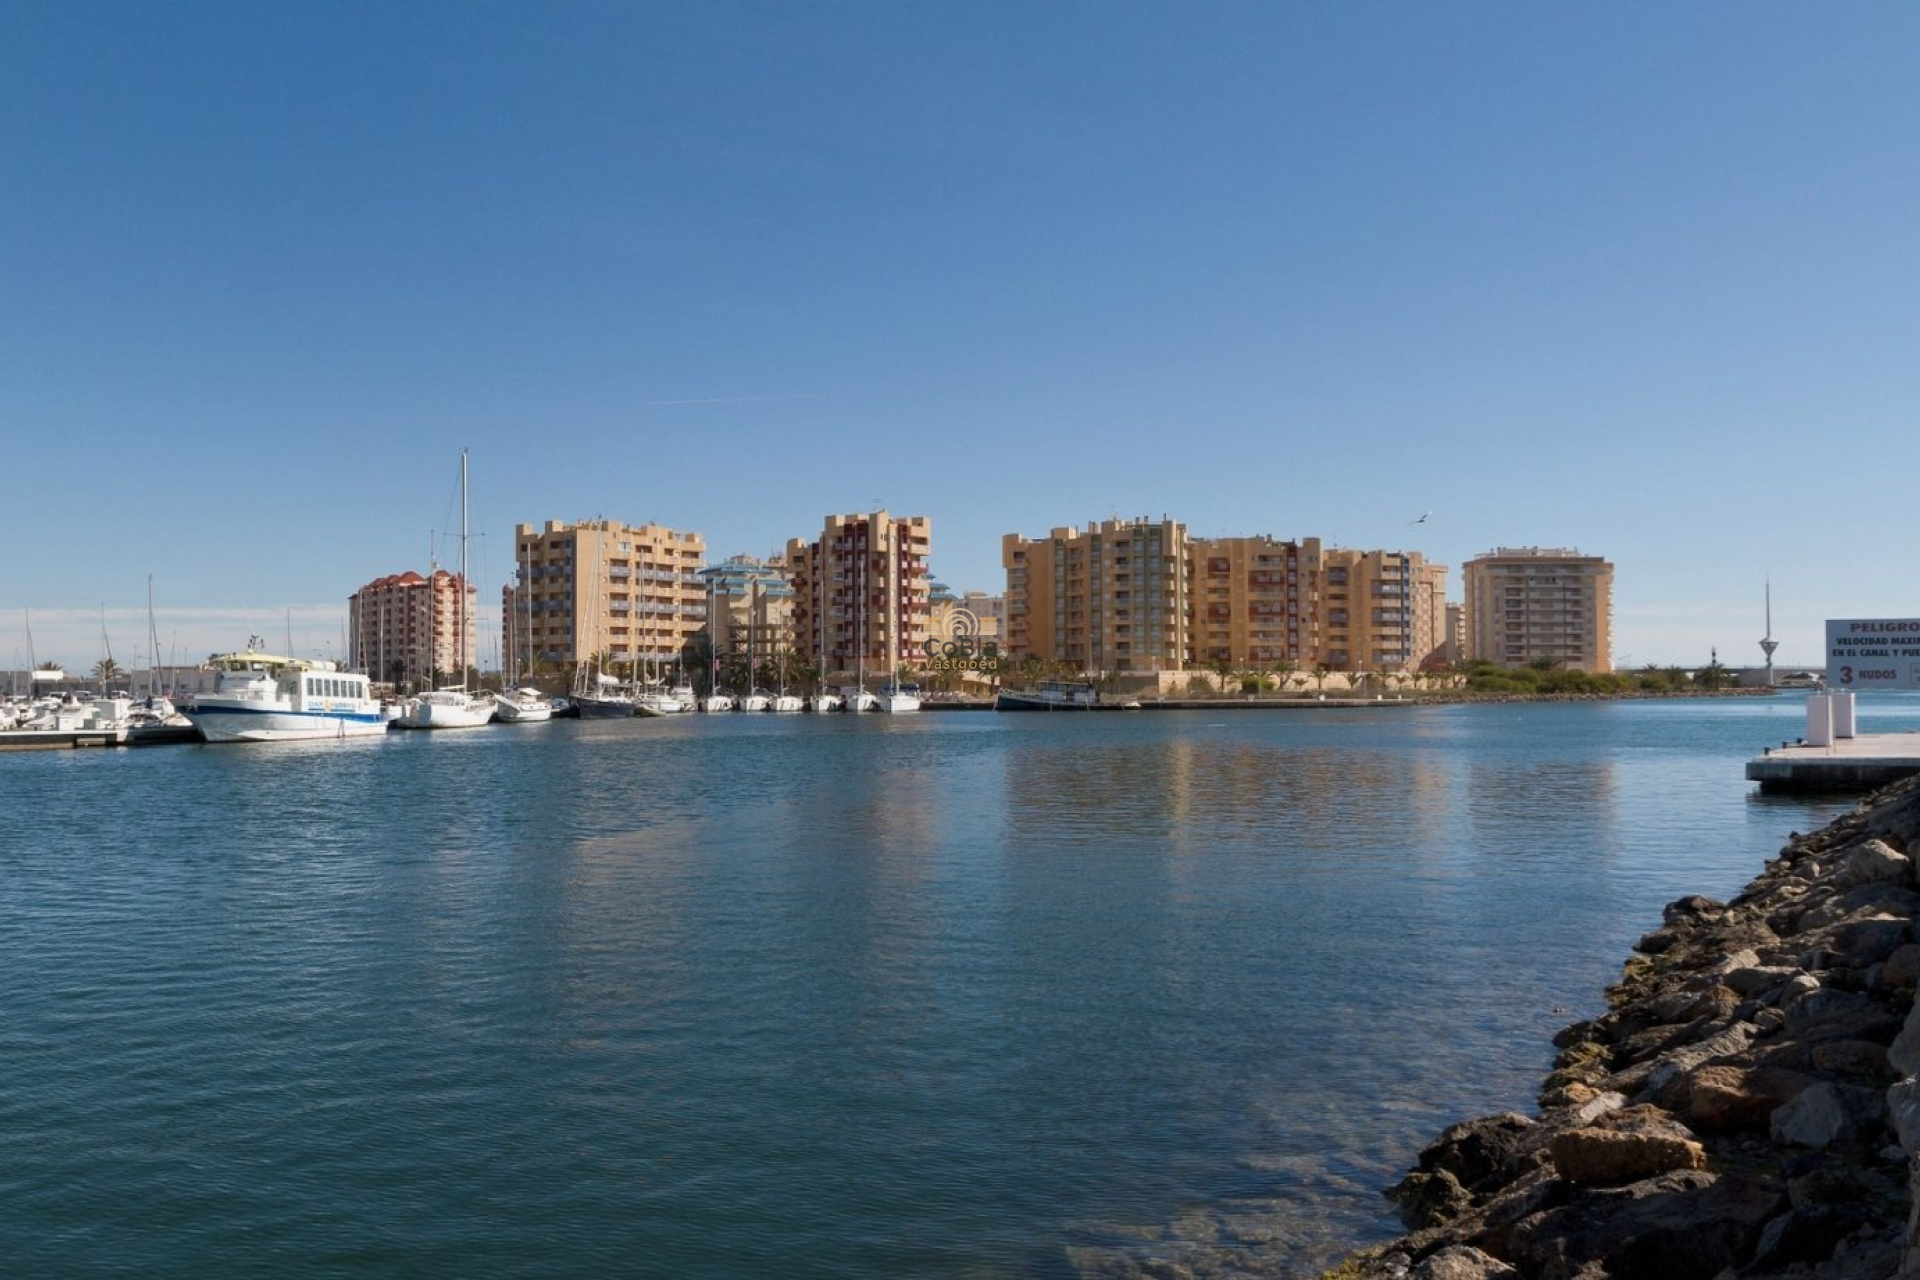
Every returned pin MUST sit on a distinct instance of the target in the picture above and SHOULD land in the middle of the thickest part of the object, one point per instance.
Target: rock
(1734, 1097)
(1806, 1235)
(1758, 978)
(1732, 1042)
(1903, 1105)
(1874, 861)
(1639, 1142)
(1477, 1150)
(1904, 1054)
(1826, 1006)
(1869, 941)
(1826, 1114)
(1903, 967)
(1851, 1058)
(1798, 988)
(1680, 1226)
(1692, 909)
(1463, 1262)
(1429, 1199)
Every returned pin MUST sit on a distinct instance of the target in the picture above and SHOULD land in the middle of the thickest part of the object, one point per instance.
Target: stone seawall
(1748, 1106)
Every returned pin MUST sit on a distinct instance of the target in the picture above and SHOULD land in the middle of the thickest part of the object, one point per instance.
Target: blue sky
(1637, 279)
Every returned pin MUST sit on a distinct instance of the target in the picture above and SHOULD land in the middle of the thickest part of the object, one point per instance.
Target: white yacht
(824, 701)
(755, 700)
(856, 698)
(785, 704)
(716, 702)
(445, 709)
(663, 702)
(522, 706)
(263, 697)
(900, 697)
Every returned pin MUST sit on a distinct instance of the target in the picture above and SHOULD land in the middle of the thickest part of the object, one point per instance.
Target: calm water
(954, 995)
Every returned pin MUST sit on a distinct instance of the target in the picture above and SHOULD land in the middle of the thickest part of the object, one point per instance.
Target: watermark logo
(961, 647)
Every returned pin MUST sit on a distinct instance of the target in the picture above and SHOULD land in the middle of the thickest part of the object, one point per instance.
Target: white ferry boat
(263, 697)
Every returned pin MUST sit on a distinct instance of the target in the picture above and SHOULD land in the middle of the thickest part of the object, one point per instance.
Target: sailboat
(452, 707)
(785, 703)
(517, 703)
(755, 699)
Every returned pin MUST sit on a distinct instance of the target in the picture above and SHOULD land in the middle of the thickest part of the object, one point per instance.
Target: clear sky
(1637, 279)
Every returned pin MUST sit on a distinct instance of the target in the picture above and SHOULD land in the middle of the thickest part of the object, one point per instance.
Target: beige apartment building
(1256, 601)
(1141, 597)
(1533, 604)
(861, 592)
(1114, 596)
(632, 592)
(405, 629)
(749, 608)
(975, 614)
(1260, 603)
(1381, 611)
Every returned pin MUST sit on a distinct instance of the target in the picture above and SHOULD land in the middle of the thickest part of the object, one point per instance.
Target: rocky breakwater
(1748, 1106)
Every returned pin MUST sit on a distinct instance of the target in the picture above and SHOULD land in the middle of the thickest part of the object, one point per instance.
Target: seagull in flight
(1421, 519)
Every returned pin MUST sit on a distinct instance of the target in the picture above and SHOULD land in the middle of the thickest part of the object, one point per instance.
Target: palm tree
(106, 669)
(1222, 669)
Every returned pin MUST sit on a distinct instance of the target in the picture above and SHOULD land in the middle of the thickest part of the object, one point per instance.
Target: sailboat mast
(460, 640)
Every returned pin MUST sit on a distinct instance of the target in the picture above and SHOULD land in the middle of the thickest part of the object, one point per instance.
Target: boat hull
(442, 712)
(603, 708)
(222, 723)
(512, 712)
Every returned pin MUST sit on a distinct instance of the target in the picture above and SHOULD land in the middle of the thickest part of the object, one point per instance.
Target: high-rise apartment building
(1533, 604)
(860, 592)
(749, 608)
(632, 592)
(1114, 596)
(405, 629)
(1135, 597)
(1256, 601)
(976, 614)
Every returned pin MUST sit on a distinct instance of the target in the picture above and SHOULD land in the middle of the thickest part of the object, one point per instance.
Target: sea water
(940, 995)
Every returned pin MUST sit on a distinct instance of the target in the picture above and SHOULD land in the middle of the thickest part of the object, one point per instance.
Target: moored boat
(263, 697)
(900, 697)
(1049, 695)
(522, 706)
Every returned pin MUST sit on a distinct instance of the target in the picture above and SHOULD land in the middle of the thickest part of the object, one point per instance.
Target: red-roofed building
(404, 628)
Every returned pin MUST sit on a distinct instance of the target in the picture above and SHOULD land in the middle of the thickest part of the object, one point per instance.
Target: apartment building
(1380, 610)
(861, 592)
(975, 614)
(749, 607)
(1114, 596)
(405, 629)
(1533, 604)
(1256, 601)
(632, 592)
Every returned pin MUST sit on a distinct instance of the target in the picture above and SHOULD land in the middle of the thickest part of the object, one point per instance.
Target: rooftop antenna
(1769, 644)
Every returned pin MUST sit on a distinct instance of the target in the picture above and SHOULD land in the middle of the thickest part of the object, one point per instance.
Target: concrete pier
(1863, 763)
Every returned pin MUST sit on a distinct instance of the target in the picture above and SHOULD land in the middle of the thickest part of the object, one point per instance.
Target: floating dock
(1864, 763)
(67, 739)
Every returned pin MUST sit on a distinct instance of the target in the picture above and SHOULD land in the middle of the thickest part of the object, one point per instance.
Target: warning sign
(1873, 653)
